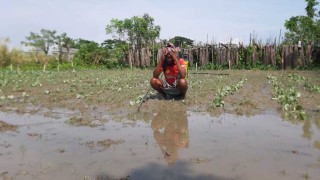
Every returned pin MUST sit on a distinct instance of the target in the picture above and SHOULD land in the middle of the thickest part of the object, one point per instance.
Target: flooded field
(232, 125)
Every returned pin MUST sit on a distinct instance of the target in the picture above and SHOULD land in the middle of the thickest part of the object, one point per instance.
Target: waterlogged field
(232, 125)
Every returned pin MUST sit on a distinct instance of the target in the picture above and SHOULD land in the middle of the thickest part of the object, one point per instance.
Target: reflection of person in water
(170, 128)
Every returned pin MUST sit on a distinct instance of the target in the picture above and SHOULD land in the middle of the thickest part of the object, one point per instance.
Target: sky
(198, 20)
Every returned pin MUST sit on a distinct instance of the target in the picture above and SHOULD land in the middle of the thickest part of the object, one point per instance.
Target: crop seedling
(224, 91)
(287, 98)
(306, 84)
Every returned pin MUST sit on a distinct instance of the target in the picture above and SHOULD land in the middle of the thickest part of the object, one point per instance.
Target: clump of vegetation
(138, 100)
(224, 91)
(297, 78)
(288, 99)
(7, 127)
(104, 143)
(302, 80)
(83, 121)
(312, 88)
(108, 142)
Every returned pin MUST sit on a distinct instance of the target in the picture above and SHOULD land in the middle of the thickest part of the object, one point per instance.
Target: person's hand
(174, 55)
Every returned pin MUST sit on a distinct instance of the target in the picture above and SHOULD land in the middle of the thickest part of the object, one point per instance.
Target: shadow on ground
(157, 171)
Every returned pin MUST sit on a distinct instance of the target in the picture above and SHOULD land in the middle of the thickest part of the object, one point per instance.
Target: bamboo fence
(286, 56)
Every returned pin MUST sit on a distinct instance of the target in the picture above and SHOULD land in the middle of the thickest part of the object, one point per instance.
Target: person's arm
(157, 70)
(181, 70)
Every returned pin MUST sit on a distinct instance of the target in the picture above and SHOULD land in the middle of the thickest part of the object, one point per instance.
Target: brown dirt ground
(7, 127)
(91, 93)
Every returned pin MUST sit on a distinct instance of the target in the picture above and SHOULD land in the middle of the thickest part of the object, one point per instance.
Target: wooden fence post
(228, 54)
(190, 54)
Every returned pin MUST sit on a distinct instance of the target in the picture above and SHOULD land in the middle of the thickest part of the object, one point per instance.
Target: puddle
(176, 144)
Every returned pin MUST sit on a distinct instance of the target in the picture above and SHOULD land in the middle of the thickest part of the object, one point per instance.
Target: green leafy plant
(288, 99)
(218, 101)
(302, 80)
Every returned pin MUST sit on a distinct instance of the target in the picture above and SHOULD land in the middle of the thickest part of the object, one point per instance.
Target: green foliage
(296, 78)
(53, 65)
(138, 31)
(63, 41)
(33, 65)
(213, 66)
(118, 50)
(90, 53)
(224, 91)
(312, 88)
(41, 41)
(181, 42)
(47, 39)
(288, 99)
(242, 65)
(302, 80)
(131, 33)
(304, 28)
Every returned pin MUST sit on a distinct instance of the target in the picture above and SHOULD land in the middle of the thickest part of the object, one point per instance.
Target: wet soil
(85, 125)
(7, 127)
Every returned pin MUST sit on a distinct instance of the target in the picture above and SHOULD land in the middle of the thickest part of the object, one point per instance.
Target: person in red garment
(174, 70)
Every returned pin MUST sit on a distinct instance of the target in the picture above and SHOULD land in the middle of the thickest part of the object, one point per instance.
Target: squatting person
(174, 70)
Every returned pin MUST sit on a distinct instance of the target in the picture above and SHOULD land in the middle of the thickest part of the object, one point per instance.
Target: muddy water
(189, 146)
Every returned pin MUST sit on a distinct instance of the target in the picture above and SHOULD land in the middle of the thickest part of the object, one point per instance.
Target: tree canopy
(138, 31)
(47, 39)
(304, 28)
(42, 41)
(182, 42)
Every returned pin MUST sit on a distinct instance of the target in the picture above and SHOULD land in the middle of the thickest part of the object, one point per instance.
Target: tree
(304, 28)
(41, 41)
(90, 52)
(117, 48)
(182, 42)
(138, 31)
(63, 41)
